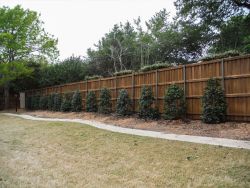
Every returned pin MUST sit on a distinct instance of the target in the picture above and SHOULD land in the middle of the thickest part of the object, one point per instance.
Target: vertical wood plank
(222, 75)
(115, 88)
(184, 79)
(133, 90)
(156, 88)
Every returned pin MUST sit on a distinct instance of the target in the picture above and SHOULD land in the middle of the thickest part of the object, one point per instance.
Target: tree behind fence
(234, 74)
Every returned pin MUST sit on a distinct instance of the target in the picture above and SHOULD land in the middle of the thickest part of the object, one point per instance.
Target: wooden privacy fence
(233, 72)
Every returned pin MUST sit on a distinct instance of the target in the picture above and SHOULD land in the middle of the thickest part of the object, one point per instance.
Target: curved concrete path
(185, 138)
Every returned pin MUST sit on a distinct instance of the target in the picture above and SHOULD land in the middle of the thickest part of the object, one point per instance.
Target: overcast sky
(79, 24)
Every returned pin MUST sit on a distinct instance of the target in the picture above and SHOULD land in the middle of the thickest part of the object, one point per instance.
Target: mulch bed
(232, 130)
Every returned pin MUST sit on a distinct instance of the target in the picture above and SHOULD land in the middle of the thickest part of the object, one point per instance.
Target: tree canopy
(22, 38)
(210, 15)
(234, 35)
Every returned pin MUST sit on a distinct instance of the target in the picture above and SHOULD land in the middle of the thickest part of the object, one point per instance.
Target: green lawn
(49, 154)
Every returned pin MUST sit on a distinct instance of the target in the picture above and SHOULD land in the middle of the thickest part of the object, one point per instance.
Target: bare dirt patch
(232, 130)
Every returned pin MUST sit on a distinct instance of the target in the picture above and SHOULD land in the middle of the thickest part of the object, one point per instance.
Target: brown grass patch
(56, 154)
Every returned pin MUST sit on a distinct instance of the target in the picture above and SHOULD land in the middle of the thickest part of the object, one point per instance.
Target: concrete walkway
(185, 138)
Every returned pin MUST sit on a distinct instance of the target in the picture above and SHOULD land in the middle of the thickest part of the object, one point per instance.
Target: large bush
(57, 102)
(28, 103)
(51, 101)
(76, 103)
(43, 103)
(214, 105)
(174, 103)
(35, 102)
(105, 105)
(146, 111)
(32, 102)
(91, 102)
(124, 104)
(66, 102)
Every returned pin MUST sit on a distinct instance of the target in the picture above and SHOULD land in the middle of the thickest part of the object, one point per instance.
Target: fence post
(222, 75)
(156, 88)
(133, 91)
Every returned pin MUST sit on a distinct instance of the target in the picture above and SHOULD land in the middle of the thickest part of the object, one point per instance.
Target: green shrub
(123, 72)
(214, 105)
(105, 105)
(51, 101)
(28, 103)
(91, 102)
(94, 77)
(146, 111)
(35, 102)
(155, 66)
(76, 103)
(230, 53)
(66, 102)
(124, 104)
(32, 102)
(57, 102)
(174, 103)
(43, 103)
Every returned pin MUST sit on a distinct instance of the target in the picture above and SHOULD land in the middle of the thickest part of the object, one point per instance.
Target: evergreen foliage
(57, 102)
(66, 102)
(123, 72)
(43, 103)
(91, 102)
(146, 111)
(174, 103)
(93, 77)
(28, 103)
(214, 105)
(155, 66)
(51, 101)
(124, 104)
(105, 105)
(34, 102)
(76, 102)
(226, 54)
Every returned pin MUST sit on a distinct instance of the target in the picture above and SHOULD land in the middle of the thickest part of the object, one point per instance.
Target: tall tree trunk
(6, 95)
(114, 64)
